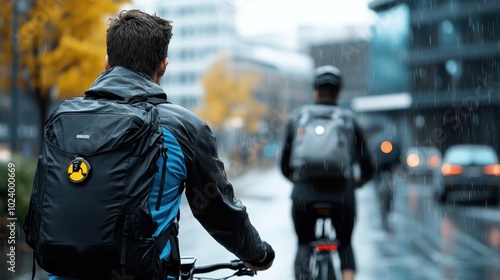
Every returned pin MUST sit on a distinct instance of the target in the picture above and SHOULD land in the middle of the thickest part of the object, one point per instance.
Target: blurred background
(426, 72)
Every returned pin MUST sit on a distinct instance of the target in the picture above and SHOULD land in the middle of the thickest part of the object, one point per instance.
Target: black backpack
(323, 146)
(89, 214)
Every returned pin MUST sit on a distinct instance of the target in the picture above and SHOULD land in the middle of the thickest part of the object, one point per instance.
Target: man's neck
(327, 101)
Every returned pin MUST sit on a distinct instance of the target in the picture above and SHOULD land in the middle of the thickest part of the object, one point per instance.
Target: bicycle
(189, 269)
(325, 246)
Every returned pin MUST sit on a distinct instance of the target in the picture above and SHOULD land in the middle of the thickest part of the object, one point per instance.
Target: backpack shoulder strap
(304, 115)
(337, 112)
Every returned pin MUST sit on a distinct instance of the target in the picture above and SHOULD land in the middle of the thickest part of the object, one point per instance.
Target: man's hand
(256, 267)
(359, 182)
(264, 263)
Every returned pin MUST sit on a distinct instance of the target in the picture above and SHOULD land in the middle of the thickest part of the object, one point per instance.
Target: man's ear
(163, 67)
(106, 63)
(316, 94)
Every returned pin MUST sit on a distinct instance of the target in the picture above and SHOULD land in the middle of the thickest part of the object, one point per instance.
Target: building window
(448, 34)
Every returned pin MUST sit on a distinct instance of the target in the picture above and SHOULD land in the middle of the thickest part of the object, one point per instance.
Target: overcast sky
(270, 16)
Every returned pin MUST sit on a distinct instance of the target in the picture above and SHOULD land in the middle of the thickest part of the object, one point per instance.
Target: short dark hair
(138, 41)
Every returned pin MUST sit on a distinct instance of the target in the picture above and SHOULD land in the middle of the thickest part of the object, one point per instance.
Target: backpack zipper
(162, 180)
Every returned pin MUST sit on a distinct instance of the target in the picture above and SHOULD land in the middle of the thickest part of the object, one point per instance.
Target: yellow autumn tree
(229, 94)
(5, 45)
(62, 46)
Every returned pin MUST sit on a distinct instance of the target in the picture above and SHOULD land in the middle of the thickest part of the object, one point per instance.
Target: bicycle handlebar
(189, 269)
(234, 265)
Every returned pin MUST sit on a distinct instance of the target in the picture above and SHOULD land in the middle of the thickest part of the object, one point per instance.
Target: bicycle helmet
(328, 74)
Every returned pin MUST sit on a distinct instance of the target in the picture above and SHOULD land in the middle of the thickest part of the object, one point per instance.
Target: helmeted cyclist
(339, 192)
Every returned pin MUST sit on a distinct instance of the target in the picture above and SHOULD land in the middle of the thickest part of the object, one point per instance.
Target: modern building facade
(445, 55)
(201, 30)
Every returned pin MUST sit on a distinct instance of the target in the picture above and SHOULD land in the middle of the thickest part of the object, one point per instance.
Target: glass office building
(447, 59)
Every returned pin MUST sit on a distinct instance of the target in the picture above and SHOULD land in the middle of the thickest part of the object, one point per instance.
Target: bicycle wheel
(321, 267)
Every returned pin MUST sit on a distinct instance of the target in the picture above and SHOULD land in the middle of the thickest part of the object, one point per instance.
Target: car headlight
(413, 160)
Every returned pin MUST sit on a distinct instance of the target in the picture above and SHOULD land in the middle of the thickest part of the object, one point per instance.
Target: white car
(469, 173)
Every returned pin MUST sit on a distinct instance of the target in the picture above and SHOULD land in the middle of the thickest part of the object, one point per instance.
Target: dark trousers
(343, 214)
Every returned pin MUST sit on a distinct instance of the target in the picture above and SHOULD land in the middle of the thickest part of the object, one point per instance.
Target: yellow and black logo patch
(78, 170)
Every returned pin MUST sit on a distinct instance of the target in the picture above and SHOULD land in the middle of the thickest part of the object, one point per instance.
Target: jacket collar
(122, 83)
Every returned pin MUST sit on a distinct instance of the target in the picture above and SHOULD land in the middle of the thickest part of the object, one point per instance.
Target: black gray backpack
(323, 146)
(89, 214)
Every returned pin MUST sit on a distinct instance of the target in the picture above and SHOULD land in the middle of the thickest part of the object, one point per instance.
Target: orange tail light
(493, 169)
(451, 169)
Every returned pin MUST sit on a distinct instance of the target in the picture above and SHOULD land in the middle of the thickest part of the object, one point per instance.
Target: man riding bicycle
(137, 45)
(387, 158)
(325, 186)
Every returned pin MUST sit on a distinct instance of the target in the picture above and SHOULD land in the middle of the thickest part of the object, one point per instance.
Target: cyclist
(136, 60)
(387, 158)
(339, 192)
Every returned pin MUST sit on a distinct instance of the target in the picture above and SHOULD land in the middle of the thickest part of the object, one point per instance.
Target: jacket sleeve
(363, 154)
(214, 204)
